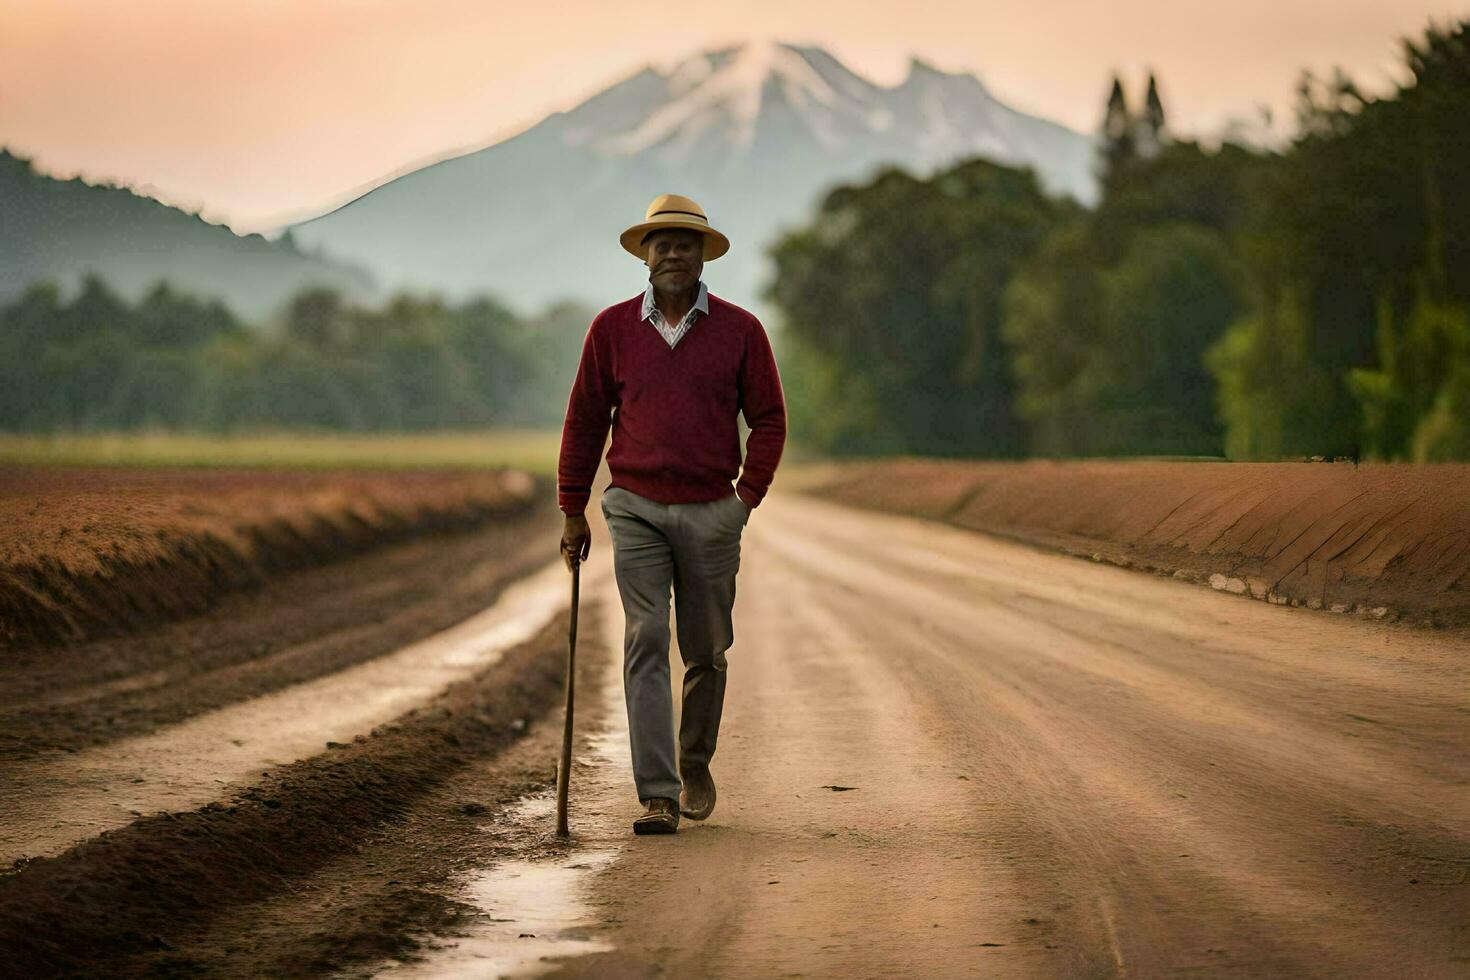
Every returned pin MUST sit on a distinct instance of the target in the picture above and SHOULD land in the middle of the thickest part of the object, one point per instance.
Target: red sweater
(673, 410)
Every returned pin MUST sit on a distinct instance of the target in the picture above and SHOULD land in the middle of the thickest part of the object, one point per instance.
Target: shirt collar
(701, 300)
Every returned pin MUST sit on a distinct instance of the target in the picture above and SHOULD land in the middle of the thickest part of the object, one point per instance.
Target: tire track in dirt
(1191, 689)
(299, 626)
(942, 755)
(1115, 806)
(788, 876)
(1061, 768)
(135, 893)
(50, 803)
(414, 888)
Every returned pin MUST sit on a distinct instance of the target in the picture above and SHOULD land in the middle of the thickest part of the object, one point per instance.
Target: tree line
(95, 362)
(1242, 302)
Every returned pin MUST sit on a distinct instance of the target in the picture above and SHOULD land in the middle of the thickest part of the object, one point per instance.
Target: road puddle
(536, 912)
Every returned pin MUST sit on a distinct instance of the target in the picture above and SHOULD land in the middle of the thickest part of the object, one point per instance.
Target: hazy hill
(753, 132)
(60, 229)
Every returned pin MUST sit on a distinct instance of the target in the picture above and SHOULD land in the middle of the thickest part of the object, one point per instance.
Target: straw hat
(674, 211)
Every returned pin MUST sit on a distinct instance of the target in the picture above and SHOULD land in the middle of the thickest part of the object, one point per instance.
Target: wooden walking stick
(563, 772)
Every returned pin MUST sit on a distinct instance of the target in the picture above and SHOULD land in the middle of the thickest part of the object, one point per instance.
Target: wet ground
(942, 754)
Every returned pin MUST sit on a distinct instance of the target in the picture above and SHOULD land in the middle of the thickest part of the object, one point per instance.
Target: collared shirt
(674, 416)
(675, 333)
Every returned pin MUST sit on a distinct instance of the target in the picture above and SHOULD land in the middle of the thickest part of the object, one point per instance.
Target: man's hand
(576, 541)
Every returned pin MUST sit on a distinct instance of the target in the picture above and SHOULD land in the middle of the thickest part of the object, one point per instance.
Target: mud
(534, 905)
(100, 551)
(397, 898)
(125, 902)
(1381, 540)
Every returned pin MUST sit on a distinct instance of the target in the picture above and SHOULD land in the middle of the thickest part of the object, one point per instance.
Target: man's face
(675, 259)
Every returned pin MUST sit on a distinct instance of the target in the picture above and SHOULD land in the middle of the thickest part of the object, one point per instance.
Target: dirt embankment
(95, 551)
(1385, 540)
(297, 626)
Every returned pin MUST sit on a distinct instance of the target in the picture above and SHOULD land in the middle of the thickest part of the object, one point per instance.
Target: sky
(256, 112)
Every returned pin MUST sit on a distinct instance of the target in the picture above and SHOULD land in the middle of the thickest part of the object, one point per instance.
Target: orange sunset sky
(256, 111)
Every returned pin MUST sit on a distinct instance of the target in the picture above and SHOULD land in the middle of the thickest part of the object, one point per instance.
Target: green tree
(897, 286)
(1118, 148)
(1170, 298)
(25, 332)
(1443, 433)
(1418, 371)
(1275, 397)
(1052, 322)
(1360, 249)
(168, 319)
(1109, 359)
(312, 318)
(174, 360)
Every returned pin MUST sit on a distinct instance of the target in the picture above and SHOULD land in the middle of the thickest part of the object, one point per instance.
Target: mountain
(61, 229)
(753, 132)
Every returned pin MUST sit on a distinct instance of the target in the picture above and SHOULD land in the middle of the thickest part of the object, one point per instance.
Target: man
(669, 371)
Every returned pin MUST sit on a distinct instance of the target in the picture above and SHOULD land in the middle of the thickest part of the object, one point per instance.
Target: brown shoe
(697, 800)
(662, 817)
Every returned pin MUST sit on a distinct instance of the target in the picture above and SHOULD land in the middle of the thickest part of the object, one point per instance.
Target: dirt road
(945, 755)
(942, 755)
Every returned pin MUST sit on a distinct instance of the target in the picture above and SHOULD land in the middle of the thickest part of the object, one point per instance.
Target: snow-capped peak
(767, 100)
(756, 132)
(718, 101)
(725, 87)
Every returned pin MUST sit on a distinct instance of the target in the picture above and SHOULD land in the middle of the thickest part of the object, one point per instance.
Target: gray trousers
(695, 549)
